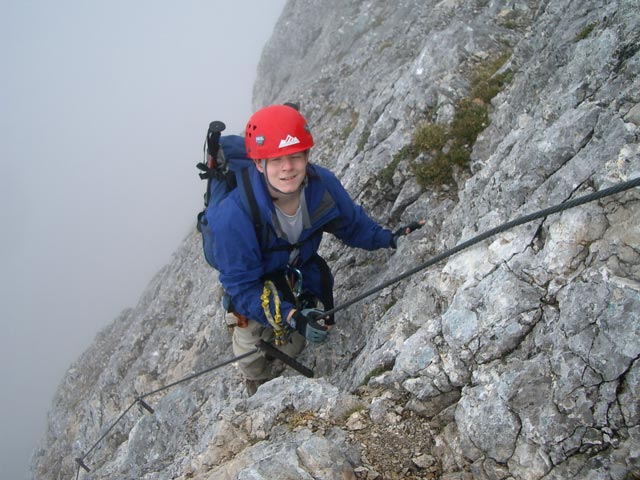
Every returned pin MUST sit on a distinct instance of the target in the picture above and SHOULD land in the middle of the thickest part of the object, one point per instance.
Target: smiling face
(284, 174)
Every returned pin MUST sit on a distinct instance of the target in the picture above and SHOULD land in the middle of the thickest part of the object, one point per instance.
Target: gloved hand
(406, 230)
(306, 323)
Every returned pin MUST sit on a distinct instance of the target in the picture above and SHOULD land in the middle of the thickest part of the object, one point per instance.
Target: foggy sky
(103, 111)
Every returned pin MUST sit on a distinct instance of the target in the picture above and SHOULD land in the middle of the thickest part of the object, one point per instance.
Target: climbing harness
(269, 349)
(279, 330)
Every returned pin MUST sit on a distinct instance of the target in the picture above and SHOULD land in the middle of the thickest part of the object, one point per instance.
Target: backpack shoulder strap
(250, 204)
(328, 201)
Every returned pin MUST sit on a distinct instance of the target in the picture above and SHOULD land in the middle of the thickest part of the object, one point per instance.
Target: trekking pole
(213, 139)
(620, 187)
(211, 148)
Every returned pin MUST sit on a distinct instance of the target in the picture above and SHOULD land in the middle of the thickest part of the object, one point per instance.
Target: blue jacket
(243, 264)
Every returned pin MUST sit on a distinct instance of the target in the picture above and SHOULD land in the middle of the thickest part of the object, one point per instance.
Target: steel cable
(620, 187)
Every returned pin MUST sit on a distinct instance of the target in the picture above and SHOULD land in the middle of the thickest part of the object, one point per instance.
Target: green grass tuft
(364, 138)
(446, 147)
(486, 83)
(355, 117)
(471, 118)
(586, 31)
(386, 174)
(430, 136)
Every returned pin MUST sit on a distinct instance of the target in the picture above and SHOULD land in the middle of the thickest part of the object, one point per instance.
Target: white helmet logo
(287, 142)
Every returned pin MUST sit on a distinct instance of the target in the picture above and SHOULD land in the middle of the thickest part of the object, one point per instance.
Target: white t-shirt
(292, 226)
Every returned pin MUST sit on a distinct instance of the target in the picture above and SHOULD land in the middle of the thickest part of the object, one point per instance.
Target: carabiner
(295, 285)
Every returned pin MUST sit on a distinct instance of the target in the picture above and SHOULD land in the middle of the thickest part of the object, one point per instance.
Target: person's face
(285, 173)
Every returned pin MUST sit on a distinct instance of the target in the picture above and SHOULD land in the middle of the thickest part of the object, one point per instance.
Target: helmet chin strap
(266, 177)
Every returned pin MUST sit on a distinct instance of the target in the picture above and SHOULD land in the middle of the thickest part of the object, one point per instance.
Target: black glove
(406, 230)
(306, 324)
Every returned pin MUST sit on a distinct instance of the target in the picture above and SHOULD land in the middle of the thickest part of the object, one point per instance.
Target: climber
(274, 283)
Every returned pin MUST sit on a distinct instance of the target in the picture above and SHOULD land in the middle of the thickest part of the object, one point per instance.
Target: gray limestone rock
(518, 356)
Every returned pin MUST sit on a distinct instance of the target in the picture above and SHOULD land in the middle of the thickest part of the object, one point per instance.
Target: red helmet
(275, 131)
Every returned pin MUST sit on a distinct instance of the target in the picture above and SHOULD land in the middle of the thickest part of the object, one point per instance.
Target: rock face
(515, 359)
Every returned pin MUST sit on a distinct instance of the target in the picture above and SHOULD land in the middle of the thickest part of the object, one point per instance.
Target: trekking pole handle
(213, 136)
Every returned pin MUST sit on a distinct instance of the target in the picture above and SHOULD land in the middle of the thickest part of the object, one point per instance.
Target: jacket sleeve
(357, 228)
(239, 259)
